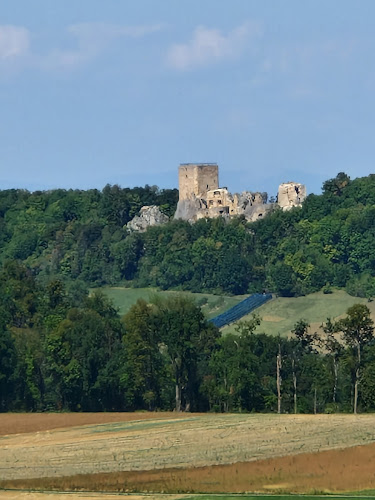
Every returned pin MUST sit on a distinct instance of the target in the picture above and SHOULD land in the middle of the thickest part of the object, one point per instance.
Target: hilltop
(81, 238)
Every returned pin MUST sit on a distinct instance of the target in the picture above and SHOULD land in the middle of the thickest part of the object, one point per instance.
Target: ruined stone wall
(195, 179)
(218, 198)
(200, 196)
(291, 194)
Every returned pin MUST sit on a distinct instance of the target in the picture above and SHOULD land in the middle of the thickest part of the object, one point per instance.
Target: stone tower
(195, 179)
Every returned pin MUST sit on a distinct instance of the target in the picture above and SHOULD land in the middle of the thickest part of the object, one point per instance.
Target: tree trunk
(336, 376)
(356, 381)
(178, 397)
(355, 402)
(294, 385)
(315, 401)
(225, 403)
(278, 380)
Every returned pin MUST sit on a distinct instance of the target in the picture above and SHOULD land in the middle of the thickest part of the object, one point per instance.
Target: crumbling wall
(291, 194)
(200, 196)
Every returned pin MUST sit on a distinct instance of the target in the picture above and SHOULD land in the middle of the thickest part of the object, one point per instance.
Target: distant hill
(81, 238)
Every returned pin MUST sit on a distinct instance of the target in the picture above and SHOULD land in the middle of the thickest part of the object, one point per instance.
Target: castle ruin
(200, 196)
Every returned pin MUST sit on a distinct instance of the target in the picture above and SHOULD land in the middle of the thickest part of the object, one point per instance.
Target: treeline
(76, 235)
(329, 242)
(61, 349)
(80, 236)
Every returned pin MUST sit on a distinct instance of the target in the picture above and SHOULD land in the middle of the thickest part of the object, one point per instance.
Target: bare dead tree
(278, 378)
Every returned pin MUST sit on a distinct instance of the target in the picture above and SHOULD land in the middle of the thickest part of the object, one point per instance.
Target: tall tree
(302, 345)
(334, 348)
(143, 377)
(185, 334)
(7, 364)
(278, 378)
(358, 330)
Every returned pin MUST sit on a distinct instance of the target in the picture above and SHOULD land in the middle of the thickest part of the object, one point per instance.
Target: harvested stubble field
(8, 495)
(17, 423)
(28, 495)
(193, 453)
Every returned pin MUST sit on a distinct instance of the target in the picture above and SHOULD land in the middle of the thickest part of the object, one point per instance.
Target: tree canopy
(63, 350)
(81, 237)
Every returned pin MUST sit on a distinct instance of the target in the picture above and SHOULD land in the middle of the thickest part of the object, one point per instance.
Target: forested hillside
(81, 237)
(63, 349)
(76, 235)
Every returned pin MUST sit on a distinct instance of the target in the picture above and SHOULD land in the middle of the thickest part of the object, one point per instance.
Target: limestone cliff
(148, 216)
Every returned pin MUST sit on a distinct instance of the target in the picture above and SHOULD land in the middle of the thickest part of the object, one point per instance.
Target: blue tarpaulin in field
(239, 310)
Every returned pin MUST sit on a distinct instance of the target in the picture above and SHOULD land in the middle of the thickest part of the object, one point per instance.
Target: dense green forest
(81, 237)
(76, 235)
(66, 350)
(61, 348)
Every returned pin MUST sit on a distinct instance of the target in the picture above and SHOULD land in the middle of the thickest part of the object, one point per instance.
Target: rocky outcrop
(257, 211)
(291, 194)
(148, 216)
(187, 209)
(252, 205)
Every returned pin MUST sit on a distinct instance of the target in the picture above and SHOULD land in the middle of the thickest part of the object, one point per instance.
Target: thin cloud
(103, 31)
(89, 41)
(14, 42)
(93, 39)
(301, 69)
(208, 46)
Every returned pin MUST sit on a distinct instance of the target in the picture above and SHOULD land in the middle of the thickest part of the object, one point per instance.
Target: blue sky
(122, 91)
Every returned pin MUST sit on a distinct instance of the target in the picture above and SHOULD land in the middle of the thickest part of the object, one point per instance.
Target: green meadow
(281, 313)
(212, 305)
(278, 316)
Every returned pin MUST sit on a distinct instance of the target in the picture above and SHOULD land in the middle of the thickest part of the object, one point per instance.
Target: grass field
(124, 298)
(195, 453)
(280, 314)
(32, 495)
(9, 495)
(21, 423)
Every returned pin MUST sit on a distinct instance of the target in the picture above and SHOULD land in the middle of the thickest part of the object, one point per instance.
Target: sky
(97, 92)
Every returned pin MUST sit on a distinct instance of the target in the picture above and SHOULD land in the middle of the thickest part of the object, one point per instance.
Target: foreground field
(17, 423)
(103, 496)
(20, 495)
(28, 495)
(212, 453)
